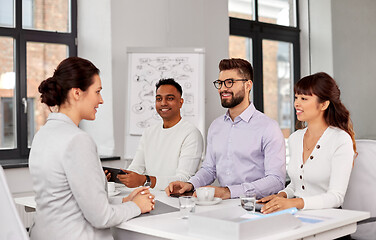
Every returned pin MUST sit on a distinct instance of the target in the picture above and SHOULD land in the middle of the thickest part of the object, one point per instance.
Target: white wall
(321, 36)
(342, 35)
(354, 61)
(167, 23)
(305, 66)
(94, 43)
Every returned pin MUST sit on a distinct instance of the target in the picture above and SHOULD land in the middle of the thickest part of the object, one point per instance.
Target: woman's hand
(270, 197)
(145, 201)
(133, 194)
(280, 203)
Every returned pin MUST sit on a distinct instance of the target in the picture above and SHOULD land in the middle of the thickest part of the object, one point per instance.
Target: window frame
(259, 31)
(20, 38)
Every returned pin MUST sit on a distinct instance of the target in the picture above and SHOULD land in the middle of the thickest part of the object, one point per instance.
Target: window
(35, 36)
(266, 32)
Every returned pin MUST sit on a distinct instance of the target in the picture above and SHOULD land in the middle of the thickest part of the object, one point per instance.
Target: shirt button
(318, 146)
(301, 166)
(233, 125)
(311, 157)
(303, 187)
(301, 177)
(227, 173)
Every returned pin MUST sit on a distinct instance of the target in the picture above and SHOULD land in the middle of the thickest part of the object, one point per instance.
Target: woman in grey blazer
(70, 186)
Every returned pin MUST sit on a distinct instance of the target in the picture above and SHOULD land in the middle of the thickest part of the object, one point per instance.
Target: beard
(234, 101)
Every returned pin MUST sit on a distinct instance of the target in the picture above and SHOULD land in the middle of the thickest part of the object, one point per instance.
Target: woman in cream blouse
(322, 153)
(70, 186)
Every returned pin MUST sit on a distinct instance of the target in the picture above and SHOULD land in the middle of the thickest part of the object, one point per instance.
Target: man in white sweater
(169, 151)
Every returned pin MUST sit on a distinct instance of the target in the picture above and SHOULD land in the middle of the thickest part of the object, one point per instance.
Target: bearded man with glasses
(245, 148)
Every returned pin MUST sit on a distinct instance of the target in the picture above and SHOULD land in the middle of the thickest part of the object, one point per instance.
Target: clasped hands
(179, 187)
(142, 198)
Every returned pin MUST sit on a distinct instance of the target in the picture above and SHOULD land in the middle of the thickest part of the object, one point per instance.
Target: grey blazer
(70, 186)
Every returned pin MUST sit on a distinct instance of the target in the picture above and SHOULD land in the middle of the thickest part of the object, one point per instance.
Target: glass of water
(248, 202)
(187, 206)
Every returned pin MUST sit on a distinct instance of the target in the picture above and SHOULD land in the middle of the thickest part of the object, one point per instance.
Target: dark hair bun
(50, 92)
(72, 72)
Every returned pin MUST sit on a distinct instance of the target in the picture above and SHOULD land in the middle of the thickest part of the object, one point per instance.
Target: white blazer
(70, 186)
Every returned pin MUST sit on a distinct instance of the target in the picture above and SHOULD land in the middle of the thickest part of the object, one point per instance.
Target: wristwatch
(148, 182)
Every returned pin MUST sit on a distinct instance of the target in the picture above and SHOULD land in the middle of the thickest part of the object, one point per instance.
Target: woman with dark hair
(321, 153)
(70, 186)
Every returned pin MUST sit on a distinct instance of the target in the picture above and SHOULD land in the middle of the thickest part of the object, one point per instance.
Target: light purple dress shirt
(247, 154)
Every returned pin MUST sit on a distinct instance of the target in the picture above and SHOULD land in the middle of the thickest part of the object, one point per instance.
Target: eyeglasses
(228, 82)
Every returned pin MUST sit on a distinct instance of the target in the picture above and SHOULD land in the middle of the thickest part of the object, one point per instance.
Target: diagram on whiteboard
(146, 69)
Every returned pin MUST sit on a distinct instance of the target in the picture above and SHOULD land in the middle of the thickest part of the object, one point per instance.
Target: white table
(336, 222)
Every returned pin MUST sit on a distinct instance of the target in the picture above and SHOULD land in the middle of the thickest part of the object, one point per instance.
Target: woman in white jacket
(321, 153)
(70, 186)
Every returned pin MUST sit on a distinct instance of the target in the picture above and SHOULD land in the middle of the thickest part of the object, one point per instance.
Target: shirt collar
(60, 117)
(246, 115)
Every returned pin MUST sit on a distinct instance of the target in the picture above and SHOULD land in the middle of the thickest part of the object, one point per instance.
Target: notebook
(160, 208)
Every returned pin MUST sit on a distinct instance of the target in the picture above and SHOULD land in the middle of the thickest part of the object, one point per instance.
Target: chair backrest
(361, 192)
(11, 226)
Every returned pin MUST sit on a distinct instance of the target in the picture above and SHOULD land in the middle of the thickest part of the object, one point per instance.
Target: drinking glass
(187, 206)
(248, 202)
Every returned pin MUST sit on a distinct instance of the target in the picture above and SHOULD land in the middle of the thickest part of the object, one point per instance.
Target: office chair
(361, 192)
(11, 226)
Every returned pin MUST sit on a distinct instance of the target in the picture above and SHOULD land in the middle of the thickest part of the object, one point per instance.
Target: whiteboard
(146, 66)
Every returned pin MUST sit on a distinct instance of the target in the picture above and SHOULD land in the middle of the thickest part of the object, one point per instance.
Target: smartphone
(190, 193)
(114, 172)
(121, 172)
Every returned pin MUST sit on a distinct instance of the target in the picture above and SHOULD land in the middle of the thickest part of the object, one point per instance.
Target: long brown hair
(326, 89)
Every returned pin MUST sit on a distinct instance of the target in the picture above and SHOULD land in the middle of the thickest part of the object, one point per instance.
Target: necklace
(315, 140)
(306, 147)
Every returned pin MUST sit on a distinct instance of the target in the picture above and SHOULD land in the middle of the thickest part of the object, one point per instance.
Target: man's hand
(108, 175)
(131, 179)
(178, 187)
(220, 192)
